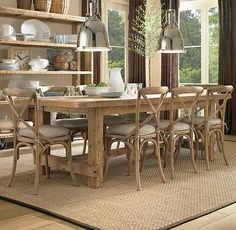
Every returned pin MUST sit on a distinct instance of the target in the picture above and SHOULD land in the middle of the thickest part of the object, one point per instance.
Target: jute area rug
(117, 205)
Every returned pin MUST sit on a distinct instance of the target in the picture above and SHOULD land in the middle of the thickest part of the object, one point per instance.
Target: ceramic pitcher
(116, 82)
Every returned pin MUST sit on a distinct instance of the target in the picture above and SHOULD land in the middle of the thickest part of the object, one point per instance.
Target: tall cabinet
(74, 21)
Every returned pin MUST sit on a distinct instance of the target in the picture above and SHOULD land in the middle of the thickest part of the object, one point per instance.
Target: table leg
(95, 145)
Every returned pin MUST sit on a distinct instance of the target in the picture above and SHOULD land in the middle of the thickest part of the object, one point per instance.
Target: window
(117, 20)
(199, 24)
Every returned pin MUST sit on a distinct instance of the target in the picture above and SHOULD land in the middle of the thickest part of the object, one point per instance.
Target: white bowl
(9, 61)
(38, 64)
(95, 91)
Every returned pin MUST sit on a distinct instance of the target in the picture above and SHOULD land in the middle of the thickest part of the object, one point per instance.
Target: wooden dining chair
(211, 127)
(179, 129)
(38, 137)
(136, 135)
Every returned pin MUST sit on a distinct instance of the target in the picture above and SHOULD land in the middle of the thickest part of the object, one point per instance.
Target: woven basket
(42, 5)
(60, 6)
(24, 4)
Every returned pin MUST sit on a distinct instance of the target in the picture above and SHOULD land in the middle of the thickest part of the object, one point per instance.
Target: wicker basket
(60, 6)
(24, 4)
(42, 5)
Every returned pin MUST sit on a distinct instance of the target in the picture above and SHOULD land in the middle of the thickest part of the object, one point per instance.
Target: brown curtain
(169, 62)
(96, 55)
(136, 62)
(227, 57)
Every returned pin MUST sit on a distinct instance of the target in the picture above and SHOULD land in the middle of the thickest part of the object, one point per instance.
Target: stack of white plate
(9, 66)
(38, 30)
(8, 38)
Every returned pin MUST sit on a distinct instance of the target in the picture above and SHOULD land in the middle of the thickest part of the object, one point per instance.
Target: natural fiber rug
(117, 205)
(230, 138)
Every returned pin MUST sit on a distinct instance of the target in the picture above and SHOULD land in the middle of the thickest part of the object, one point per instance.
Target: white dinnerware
(95, 91)
(38, 29)
(111, 94)
(38, 64)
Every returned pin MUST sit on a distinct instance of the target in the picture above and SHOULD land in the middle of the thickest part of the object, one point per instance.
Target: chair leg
(85, 142)
(172, 149)
(221, 147)
(46, 163)
(107, 145)
(192, 153)
(137, 166)
(15, 158)
(206, 149)
(38, 151)
(158, 154)
(70, 162)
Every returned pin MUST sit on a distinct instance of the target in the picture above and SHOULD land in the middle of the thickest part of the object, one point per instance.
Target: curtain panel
(169, 62)
(227, 57)
(136, 63)
(96, 55)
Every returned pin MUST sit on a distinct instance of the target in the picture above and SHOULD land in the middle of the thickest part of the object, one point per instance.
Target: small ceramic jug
(116, 82)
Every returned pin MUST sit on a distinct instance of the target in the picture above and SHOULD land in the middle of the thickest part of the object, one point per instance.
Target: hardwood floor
(16, 217)
(13, 216)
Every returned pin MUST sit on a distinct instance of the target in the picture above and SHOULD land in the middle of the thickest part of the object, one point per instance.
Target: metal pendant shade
(171, 39)
(93, 35)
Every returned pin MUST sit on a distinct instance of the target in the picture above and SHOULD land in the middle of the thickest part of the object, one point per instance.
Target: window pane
(213, 16)
(116, 27)
(190, 65)
(190, 26)
(116, 58)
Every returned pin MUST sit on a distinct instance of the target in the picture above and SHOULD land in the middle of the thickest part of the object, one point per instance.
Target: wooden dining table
(95, 108)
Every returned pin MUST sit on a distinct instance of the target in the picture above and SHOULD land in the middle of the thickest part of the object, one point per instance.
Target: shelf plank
(30, 72)
(37, 44)
(21, 13)
(5, 135)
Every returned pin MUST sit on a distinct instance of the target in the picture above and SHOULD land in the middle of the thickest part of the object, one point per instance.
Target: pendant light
(171, 39)
(93, 34)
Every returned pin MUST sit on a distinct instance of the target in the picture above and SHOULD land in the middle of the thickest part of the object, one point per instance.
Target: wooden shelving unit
(30, 72)
(74, 21)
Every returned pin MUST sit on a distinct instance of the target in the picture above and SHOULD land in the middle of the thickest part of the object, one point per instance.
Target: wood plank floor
(16, 217)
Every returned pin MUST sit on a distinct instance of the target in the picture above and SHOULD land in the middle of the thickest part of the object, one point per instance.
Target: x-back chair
(38, 137)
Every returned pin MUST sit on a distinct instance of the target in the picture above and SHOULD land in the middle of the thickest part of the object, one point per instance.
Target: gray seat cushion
(180, 126)
(72, 122)
(114, 119)
(164, 124)
(124, 129)
(83, 122)
(47, 130)
(200, 120)
(196, 120)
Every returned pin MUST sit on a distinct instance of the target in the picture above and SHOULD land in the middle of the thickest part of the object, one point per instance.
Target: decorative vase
(115, 81)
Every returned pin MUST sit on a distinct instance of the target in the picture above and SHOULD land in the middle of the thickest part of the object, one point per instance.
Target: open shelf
(37, 44)
(30, 72)
(14, 12)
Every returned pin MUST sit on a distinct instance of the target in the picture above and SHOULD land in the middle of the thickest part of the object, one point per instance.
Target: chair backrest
(26, 98)
(180, 100)
(145, 95)
(218, 105)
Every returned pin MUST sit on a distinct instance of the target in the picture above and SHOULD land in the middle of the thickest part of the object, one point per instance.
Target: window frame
(204, 6)
(122, 5)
